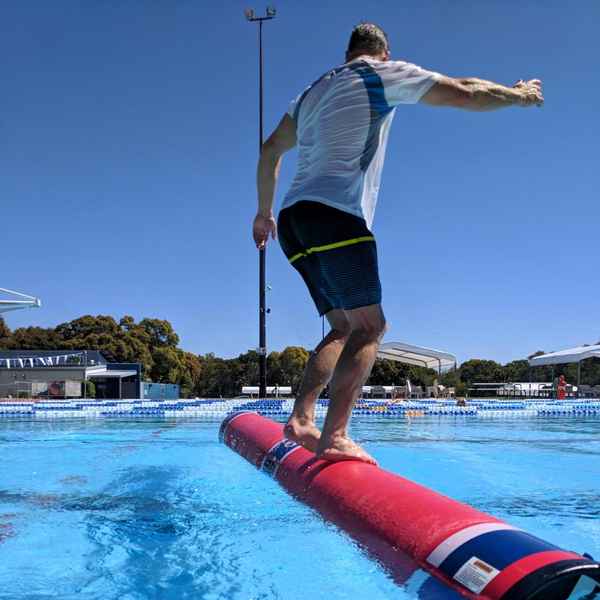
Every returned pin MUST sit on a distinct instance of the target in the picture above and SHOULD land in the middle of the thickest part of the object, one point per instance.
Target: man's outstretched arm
(479, 95)
(280, 141)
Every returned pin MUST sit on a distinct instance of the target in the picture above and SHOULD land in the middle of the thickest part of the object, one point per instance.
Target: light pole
(262, 254)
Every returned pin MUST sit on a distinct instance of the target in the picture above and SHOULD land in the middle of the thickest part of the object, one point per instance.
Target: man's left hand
(262, 228)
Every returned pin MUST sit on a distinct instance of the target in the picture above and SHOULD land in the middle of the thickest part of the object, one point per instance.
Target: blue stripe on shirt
(379, 109)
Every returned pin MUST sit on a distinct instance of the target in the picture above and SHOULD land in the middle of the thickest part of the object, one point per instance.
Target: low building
(63, 374)
(273, 391)
(514, 390)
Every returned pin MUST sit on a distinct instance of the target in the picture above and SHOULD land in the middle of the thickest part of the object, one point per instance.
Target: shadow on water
(581, 505)
(158, 536)
(149, 535)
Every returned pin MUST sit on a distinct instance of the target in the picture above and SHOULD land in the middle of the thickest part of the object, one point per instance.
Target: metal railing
(541, 394)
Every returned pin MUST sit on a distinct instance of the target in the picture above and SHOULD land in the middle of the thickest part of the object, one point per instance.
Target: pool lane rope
(409, 528)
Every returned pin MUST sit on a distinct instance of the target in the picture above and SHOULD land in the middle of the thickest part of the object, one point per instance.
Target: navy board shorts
(334, 252)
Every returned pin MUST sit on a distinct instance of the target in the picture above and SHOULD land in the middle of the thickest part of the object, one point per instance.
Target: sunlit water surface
(159, 509)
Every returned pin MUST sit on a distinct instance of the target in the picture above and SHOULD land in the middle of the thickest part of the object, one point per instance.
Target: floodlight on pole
(269, 14)
(263, 310)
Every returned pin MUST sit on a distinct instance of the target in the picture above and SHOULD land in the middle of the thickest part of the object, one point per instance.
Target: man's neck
(364, 57)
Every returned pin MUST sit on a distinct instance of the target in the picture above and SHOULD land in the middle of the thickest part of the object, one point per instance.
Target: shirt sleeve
(405, 83)
(295, 103)
(292, 106)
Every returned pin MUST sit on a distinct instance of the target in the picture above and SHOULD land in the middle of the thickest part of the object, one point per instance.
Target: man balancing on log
(341, 124)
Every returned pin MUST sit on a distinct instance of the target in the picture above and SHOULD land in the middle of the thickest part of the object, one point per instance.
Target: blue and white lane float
(466, 553)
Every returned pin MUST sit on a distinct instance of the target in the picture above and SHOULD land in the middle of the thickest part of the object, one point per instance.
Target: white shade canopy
(417, 355)
(570, 355)
(17, 301)
(110, 374)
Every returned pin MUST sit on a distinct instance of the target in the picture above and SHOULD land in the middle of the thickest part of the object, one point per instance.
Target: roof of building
(570, 355)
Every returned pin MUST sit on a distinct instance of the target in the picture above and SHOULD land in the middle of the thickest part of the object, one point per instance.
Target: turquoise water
(157, 509)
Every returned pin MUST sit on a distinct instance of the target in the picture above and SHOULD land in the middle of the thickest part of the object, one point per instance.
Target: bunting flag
(44, 361)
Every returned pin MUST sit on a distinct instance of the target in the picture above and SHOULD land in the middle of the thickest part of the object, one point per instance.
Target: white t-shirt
(343, 122)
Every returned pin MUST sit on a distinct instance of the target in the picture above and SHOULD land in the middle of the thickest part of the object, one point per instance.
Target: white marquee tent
(17, 300)
(417, 355)
(570, 355)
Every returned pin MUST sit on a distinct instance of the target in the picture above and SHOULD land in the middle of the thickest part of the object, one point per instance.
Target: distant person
(341, 124)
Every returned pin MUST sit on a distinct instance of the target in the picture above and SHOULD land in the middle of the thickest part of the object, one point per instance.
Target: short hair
(368, 38)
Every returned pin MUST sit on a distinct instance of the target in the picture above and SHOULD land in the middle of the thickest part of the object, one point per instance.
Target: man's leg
(351, 372)
(301, 426)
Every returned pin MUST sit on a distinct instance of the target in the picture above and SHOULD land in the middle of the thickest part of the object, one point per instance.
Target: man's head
(370, 39)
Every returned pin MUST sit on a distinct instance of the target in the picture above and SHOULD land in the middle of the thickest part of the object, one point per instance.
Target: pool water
(160, 510)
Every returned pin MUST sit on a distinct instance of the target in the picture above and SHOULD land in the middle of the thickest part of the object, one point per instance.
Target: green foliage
(226, 377)
(4, 332)
(90, 389)
(389, 372)
(481, 371)
(450, 379)
(217, 379)
(153, 343)
(286, 368)
(31, 338)
(517, 370)
(460, 390)
(160, 332)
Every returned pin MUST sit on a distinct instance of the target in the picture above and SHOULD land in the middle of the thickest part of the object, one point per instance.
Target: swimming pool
(157, 508)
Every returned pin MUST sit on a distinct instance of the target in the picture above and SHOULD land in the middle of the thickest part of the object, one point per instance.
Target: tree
(387, 372)
(517, 370)
(391, 372)
(90, 389)
(450, 378)
(161, 332)
(5, 332)
(215, 381)
(481, 371)
(245, 368)
(154, 343)
(87, 326)
(293, 361)
(33, 338)
(192, 370)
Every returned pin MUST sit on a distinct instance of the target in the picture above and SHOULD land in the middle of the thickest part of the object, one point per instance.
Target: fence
(536, 394)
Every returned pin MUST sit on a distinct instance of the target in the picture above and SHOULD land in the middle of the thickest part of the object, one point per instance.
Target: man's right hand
(262, 227)
(530, 91)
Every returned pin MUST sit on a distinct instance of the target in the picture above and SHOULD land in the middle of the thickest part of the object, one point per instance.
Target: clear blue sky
(128, 139)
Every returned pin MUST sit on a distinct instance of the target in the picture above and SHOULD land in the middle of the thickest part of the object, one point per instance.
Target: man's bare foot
(303, 432)
(343, 448)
